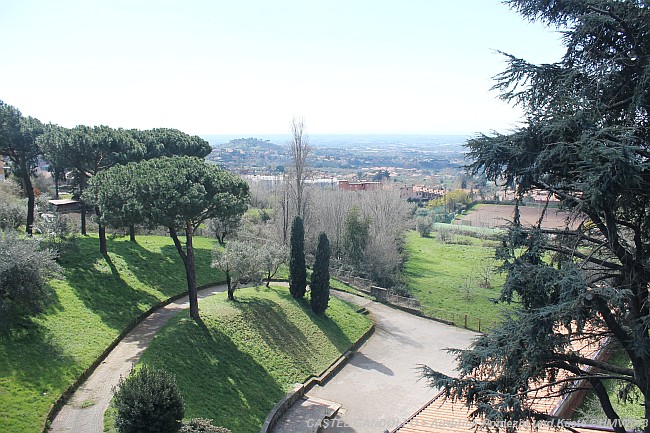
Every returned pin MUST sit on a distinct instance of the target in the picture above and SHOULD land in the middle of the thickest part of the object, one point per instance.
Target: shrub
(58, 232)
(424, 225)
(148, 401)
(201, 425)
(12, 214)
(24, 270)
(13, 209)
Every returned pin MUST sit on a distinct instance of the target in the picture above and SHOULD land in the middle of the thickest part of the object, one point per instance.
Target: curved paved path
(380, 387)
(84, 411)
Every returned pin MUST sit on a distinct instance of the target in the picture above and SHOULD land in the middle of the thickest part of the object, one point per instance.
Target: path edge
(63, 398)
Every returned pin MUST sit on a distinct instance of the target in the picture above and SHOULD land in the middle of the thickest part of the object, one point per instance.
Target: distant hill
(251, 144)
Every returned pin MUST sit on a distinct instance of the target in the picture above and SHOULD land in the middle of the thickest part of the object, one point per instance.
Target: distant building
(541, 197)
(419, 193)
(346, 185)
(65, 205)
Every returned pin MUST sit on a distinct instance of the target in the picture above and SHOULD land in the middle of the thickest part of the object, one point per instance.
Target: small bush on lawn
(148, 401)
(201, 425)
(24, 271)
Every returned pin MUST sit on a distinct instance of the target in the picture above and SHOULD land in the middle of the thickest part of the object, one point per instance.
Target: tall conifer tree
(297, 267)
(320, 278)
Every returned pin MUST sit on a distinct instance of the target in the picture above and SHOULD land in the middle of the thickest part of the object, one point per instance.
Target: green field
(446, 278)
(92, 303)
(247, 354)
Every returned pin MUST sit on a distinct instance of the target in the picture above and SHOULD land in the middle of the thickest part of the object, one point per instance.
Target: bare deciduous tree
(299, 150)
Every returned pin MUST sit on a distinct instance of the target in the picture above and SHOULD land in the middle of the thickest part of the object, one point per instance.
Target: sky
(249, 66)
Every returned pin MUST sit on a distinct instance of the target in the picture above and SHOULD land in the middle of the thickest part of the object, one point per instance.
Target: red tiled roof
(441, 415)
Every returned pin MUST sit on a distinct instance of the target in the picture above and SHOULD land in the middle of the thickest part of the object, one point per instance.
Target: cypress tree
(320, 278)
(297, 266)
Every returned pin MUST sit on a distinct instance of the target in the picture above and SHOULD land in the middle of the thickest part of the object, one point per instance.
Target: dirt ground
(496, 215)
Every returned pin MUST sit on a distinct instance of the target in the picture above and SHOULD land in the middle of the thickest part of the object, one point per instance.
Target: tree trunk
(31, 204)
(612, 416)
(231, 288)
(83, 219)
(188, 261)
(56, 184)
(102, 234)
(83, 208)
(191, 272)
(646, 401)
(132, 232)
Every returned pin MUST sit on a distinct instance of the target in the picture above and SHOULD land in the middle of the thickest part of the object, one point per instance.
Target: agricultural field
(498, 215)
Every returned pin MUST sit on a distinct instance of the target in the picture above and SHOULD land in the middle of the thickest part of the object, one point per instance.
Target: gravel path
(84, 411)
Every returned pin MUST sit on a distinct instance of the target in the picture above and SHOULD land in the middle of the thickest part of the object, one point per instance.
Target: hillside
(245, 355)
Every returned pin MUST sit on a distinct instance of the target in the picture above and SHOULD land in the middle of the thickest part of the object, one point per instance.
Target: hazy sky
(249, 66)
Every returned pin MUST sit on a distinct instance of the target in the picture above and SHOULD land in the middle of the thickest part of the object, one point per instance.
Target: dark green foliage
(355, 237)
(224, 226)
(87, 151)
(170, 142)
(297, 265)
(320, 277)
(24, 270)
(586, 142)
(114, 192)
(148, 401)
(18, 142)
(178, 193)
(201, 425)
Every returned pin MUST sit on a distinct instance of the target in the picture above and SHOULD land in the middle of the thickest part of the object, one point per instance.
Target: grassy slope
(236, 365)
(438, 274)
(94, 301)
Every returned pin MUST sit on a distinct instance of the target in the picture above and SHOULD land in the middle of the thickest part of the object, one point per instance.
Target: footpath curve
(380, 387)
(84, 410)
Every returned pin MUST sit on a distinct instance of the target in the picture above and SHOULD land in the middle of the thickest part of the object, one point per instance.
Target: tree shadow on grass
(333, 332)
(281, 335)
(38, 366)
(216, 379)
(325, 323)
(106, 294)
(113, 286)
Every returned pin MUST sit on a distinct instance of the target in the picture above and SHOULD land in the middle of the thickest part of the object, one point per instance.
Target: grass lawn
(445, 278)
(91, 305)
(247, 354)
